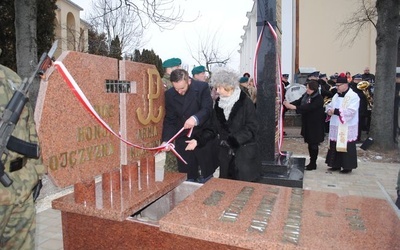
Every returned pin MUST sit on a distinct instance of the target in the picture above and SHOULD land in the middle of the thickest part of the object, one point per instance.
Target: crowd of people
(224, 124)
(218, 115)
(348, 102)
(340, 107)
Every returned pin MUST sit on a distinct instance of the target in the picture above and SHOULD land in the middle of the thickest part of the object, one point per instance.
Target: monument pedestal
(285, 170)
(226, 214)
(91, 226)
(88, 232)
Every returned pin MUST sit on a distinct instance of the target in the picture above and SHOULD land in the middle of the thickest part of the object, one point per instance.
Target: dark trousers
(226, 164)
(200, 159)
(313, 152)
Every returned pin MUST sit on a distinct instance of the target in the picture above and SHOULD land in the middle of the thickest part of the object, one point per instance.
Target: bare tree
(365, 15)
(162, 13)
(128, 19)
(209, 52)
(384, 16)
(114, 20)
(75, 39)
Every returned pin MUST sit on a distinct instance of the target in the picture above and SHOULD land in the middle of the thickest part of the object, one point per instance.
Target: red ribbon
(86, 104)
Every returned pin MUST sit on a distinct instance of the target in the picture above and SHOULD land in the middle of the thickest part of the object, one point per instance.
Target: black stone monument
(276, 169)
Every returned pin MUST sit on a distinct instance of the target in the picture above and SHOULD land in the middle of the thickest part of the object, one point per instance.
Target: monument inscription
(234, 209)
(73, 144)
(260, 220)
(260, 216)
(100, 117)
(76, 146)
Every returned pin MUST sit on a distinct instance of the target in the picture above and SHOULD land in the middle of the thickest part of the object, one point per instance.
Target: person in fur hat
(236, 125)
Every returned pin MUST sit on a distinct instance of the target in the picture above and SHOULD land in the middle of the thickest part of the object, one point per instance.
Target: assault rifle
(11, 115)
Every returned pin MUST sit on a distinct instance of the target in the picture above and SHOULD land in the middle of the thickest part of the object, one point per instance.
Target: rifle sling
(30, 150)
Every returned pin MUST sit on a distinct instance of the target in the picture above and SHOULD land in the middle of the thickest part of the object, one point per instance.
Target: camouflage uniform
(167, 83)
(171, 163)
(17, 209)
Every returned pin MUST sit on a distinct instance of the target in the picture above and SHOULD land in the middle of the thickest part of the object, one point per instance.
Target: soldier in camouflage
(169, 66)
(171, 163)
(17, 208)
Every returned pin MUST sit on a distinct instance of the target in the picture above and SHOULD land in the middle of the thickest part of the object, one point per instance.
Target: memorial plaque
(259, 216)
(128, 96)
(144, 110)
(78, 146)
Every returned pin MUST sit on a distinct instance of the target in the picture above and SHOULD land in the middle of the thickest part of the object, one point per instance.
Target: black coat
(196, 101)
(239, 131)
(312, 118)
(325, 89)
(363, 108)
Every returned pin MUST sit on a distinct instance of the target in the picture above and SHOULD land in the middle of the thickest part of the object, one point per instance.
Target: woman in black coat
(311, 108)
(236, 125)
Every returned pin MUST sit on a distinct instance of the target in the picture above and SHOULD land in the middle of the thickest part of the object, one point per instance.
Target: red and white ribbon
(85, 102)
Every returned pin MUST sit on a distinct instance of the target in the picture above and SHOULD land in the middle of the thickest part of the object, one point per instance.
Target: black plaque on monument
(276, 168)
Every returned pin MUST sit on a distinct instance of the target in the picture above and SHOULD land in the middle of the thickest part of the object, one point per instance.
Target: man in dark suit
(188, 104)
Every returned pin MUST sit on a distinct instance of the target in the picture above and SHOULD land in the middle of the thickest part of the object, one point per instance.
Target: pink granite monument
(77, 148)
(119, 203)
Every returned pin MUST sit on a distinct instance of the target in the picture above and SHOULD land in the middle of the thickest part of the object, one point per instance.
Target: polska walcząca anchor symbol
(151, 96)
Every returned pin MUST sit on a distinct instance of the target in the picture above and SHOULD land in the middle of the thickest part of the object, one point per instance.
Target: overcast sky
(225, 18)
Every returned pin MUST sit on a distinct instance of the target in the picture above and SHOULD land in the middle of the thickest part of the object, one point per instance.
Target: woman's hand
(288, 105)
(192, 144)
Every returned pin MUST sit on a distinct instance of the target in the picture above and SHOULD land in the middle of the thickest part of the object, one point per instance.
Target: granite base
(226, 214)
(88, 232)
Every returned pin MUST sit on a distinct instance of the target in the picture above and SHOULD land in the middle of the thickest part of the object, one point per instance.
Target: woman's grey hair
(225, 77)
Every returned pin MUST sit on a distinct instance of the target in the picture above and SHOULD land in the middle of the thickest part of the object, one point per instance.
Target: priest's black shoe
(345, 171)
(310, 167)
(333, 169)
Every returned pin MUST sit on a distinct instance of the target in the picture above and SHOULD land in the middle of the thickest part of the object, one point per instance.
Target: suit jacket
(196, 101)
